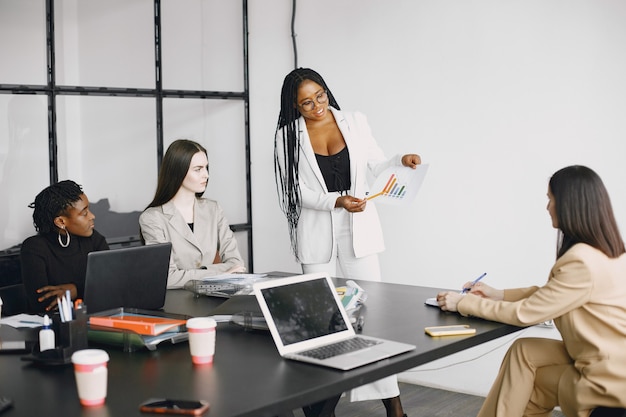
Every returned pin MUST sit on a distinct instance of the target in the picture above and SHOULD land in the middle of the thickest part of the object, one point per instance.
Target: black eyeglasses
(309, 105)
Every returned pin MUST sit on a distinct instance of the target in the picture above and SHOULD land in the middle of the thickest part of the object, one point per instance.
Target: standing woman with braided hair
(55, 260)
(322, 157)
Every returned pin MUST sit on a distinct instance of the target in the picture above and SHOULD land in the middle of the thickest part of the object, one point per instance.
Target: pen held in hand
(375, 195)
(466, 289)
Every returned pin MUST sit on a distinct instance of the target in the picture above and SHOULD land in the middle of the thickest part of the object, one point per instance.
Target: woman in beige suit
(202, 242)
(585, 295)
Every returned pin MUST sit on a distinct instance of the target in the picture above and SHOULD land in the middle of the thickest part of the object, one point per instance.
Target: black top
(336, 170)
(45, 262)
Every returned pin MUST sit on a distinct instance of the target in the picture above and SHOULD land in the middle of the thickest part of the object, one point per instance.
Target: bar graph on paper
(398, 185)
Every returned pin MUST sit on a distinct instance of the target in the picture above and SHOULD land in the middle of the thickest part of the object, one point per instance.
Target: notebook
(306, 317)
(134, 277)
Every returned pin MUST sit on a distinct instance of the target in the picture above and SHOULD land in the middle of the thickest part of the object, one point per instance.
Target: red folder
(146, 325)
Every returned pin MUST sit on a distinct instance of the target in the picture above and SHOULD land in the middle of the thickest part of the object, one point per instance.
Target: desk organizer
(70, 336)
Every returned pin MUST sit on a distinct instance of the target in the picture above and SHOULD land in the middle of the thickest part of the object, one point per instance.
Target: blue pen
(473, 283)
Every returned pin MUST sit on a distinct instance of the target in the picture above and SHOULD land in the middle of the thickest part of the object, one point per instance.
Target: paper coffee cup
(90, 369)
(201, 339)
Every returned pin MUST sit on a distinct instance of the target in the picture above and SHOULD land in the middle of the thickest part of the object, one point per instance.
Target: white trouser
(351, 267)
(367, 268)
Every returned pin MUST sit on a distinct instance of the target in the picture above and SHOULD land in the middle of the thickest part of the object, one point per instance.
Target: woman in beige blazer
(585, 295)
(202, 242)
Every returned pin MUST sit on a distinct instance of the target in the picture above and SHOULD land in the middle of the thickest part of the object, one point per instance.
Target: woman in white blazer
(202, 242)
(322, 159)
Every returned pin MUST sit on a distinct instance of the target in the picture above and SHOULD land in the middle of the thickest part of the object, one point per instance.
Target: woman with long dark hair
(322, 159)
(585, 295)
(202, 242)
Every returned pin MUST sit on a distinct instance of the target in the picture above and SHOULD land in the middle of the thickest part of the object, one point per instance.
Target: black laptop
(134, 277)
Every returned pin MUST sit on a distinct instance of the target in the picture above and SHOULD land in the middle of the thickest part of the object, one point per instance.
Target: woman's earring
(67, 243)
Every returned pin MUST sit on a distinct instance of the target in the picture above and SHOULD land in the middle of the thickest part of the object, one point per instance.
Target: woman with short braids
(55, 260)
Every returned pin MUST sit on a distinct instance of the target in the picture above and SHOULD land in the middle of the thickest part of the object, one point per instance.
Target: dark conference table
(248, 377)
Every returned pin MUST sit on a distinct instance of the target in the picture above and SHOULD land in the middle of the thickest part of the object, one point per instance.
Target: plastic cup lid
(201, 323)
(90, 357)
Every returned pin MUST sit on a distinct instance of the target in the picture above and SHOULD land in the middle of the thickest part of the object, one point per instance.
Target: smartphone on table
(449, 330)
(167, 406)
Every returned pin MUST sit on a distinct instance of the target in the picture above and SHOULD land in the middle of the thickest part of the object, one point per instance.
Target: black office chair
(608, 412)
(13, 299)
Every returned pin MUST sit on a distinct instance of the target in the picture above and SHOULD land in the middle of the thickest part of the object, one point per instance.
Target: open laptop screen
(304, 310)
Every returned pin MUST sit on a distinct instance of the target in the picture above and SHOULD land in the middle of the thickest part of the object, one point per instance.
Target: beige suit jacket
(193, 253)
(586, 296)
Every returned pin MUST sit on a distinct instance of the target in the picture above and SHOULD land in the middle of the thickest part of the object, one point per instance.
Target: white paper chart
(398, 185)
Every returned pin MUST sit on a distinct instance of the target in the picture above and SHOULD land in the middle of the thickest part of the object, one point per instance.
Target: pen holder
(72, 335)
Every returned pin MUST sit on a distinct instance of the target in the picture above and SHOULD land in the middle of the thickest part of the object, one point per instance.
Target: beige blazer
(586, 296)
(193, 253)
(315, 230)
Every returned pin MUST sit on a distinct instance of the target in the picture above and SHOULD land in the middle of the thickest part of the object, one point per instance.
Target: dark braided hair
(52, 202)
(287, 146)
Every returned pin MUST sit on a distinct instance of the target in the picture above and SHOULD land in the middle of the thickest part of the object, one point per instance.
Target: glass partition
(218, 125)
(111, 153)
(23, 42)
(109, 120)
(212, 35)
(105, 43)
(23, 163)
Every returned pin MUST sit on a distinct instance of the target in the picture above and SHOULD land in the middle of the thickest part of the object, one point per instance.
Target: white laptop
(306, 318)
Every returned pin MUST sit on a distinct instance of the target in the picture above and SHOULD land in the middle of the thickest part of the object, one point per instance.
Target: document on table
(398, 185)
(431, 302)
(23, 320)
(224, 285)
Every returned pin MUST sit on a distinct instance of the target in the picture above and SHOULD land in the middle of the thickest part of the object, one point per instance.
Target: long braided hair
(52, 202)
(287, 146)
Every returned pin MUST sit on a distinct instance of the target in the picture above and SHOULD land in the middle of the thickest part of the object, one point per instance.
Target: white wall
(495, 95)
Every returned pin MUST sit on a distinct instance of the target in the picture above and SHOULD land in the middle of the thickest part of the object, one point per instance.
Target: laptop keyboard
(339, 348)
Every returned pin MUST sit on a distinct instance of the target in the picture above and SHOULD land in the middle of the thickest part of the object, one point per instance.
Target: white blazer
(315, 229)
